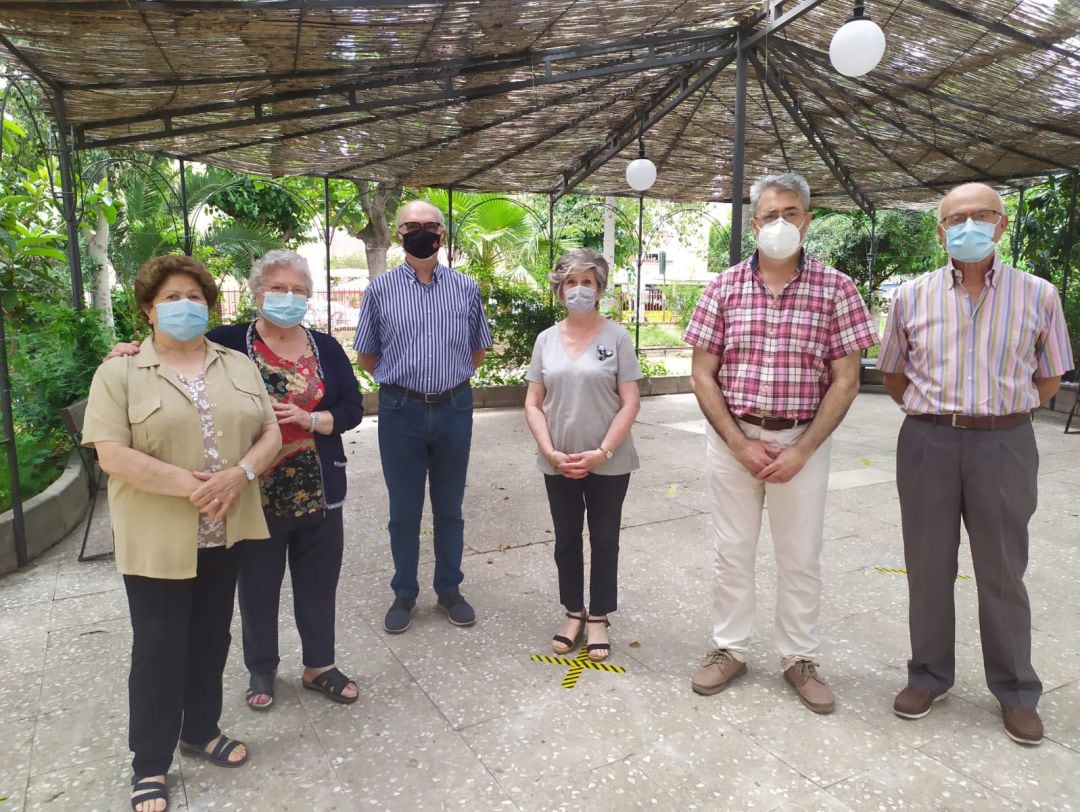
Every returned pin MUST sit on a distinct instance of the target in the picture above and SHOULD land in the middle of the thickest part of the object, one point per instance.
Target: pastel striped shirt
(975, 357)
(423, 335)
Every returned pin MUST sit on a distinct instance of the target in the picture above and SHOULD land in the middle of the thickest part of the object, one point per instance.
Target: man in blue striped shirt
(422, 334)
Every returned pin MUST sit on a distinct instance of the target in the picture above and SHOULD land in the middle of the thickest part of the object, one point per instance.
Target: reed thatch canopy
(549, 95)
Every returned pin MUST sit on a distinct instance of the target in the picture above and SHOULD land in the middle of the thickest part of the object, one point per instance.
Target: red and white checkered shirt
(775, 351)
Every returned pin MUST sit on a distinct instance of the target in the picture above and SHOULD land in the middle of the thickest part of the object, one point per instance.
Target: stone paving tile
(454, 718)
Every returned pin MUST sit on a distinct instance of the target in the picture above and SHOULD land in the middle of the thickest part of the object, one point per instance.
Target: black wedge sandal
(568, 645)
(597, 647)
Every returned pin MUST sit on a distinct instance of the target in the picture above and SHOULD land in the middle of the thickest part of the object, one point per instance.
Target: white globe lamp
(640, 174)
(858, 46)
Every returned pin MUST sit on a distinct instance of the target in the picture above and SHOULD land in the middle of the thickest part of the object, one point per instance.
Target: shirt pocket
(147, 432)
(243, 412)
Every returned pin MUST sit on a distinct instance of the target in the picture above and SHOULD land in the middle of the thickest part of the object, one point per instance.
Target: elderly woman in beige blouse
(183, 429)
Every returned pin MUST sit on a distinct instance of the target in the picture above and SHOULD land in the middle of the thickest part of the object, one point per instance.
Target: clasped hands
(576, 466)
(218, 492)
(770, 462)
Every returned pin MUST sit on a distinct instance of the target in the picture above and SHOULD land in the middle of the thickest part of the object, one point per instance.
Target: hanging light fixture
(640, 172)
(858, 45)
(640, 176)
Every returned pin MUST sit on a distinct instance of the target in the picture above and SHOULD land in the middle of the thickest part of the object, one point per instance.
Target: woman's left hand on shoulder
(220, 491)
(578, 466)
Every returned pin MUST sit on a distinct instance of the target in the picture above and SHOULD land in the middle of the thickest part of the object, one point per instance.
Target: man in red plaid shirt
(776, 341)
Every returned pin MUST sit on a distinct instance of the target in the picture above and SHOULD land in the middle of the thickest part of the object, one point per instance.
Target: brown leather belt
(985, 423)
(773, 423)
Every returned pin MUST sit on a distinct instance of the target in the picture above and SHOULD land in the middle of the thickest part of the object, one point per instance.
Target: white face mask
(580, 299)
(779, 240)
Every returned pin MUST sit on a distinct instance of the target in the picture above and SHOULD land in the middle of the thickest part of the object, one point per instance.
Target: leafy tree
(1049, 242)
(907, 243)
(263, 204)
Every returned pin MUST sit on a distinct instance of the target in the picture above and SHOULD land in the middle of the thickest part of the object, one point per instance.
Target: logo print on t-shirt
(603, 353)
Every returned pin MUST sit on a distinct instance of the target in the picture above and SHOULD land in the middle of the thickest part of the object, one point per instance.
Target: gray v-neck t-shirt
(581, 395)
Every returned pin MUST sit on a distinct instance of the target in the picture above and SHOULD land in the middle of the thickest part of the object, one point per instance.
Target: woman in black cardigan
(316, 398)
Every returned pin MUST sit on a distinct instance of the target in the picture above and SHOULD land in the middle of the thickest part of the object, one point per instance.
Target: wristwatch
(607, 452)
(249, 472)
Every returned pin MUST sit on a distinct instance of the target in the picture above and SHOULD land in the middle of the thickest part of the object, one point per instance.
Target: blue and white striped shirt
(423, 335)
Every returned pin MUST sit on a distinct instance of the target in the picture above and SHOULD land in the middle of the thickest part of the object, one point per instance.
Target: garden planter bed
(49, 516)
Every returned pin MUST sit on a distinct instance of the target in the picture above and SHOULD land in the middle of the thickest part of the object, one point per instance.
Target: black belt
(424, 397)
(980, 423)
(774, 423)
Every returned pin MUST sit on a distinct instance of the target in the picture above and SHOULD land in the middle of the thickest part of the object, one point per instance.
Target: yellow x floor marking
(577, 665)
(959, 577)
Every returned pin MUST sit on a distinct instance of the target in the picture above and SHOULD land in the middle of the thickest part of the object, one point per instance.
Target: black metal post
(638, 308)
(326, 240)
(871, 258)
(450, 226)
(67, 197)
(18, 524)
(1017, 237)
(738, 152)
(551, 240)
(184, 206)
(1067, 240)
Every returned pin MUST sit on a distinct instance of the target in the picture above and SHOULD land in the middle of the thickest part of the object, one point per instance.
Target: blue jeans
(421, 442)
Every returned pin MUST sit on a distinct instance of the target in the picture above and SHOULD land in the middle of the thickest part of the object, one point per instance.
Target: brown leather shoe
(812, 690)
(716, 673)
(914, 703)
(1023, 725)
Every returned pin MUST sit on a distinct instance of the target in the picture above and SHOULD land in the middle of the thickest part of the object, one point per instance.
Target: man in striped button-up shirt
(422, 334)
(969, 352)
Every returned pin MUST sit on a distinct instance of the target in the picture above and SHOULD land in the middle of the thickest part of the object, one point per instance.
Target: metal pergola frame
(694, 59)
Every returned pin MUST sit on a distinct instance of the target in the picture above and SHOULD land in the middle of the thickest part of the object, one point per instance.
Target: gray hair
(577, 260)
(273, 260)
(787, 182)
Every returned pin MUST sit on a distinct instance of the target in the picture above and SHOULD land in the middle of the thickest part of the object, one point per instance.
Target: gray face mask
(580, 299)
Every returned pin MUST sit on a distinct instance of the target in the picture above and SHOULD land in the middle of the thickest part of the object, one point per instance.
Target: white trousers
(796, 521)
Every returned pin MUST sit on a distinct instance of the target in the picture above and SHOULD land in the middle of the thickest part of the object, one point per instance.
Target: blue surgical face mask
(970, 241)
(284, 309)
(580, 299)
(182, 320)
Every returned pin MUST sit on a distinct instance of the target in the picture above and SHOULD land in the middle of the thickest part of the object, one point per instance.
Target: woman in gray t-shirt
(581, 403)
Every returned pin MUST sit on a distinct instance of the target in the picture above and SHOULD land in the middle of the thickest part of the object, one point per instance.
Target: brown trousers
(988, 479)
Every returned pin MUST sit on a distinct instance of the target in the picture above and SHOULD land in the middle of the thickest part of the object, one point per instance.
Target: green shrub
(53, 357)
(41, 460)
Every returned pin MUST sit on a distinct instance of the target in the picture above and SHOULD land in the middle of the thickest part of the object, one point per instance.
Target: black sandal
(219, 755)
(591, 647)
(331, 683)
(566, 641)
(260, 684)
(148, 791)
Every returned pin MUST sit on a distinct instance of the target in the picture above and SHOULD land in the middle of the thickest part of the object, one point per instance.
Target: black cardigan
(342, 399)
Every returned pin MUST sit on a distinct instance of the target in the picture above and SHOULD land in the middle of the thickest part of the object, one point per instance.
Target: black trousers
(180, 642)
(313, 545)
(602, 498)
(988, 480)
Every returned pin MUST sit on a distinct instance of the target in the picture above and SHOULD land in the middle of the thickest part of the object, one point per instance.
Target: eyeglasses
(295, 291)
(411, 226)
(981, 216)
(793, 216)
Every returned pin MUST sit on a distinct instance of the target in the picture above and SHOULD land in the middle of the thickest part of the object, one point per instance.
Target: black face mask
(421, 243)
